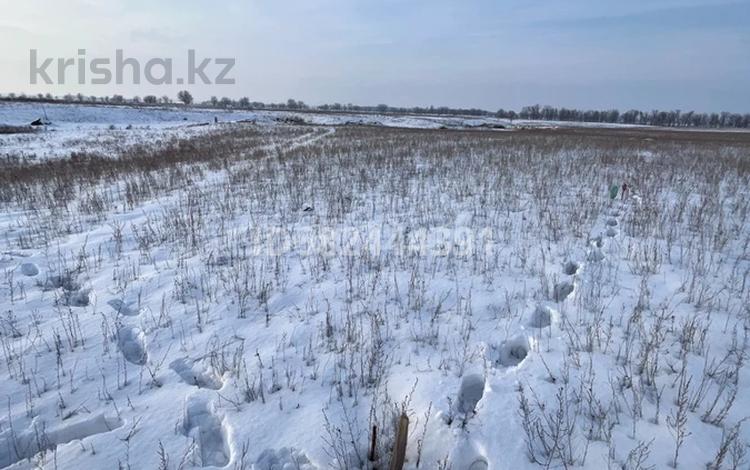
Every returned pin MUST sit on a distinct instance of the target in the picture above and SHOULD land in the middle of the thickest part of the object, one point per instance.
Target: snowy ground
(78, 116)
(280, 290)
(110, 130)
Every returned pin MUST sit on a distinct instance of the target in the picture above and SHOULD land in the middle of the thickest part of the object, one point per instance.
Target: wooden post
(373, 441)
(399, 447)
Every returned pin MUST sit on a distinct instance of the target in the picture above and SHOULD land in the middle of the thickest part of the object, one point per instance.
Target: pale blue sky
(668, 54)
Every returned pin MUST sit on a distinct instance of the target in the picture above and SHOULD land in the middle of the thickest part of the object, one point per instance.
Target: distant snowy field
(67, 116)
(263, 295)
(108, 130)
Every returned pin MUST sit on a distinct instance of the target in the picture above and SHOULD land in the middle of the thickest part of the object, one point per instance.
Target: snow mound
(469, 455)
(123, 308)
(562, 291)
(29, 269)
(77, 298)
(542, 316)
(571, 268)
(596, 255)
(597, 242)
(208, 433)
(514, 351)
(37, 438)
(471, 391)
(283, 459)
(67, 281)
(132, 344)
(195, 376)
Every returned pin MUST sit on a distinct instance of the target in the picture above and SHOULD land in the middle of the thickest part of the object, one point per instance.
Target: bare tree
(185, 97)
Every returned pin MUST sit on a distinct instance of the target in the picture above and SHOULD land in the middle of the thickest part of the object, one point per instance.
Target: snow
(102, 116)
(267, 313)
(109, 129)
(105, 130)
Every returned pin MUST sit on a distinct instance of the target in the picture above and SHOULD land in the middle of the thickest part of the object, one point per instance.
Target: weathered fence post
(399, 447)
(373, 442)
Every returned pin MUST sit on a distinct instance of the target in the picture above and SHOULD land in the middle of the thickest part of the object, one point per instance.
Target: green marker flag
(613, 191)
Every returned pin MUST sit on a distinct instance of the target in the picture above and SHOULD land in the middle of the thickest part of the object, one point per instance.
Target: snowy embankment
(103, 130)
(110, 130)
(283, 291)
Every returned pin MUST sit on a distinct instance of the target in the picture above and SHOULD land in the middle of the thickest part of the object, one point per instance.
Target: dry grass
(538, 193)
(4, 129)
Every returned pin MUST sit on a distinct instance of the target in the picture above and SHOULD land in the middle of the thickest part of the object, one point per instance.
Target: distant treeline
(674, 118)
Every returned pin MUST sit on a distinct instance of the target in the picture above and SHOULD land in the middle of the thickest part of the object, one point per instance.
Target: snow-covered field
(274, 296)
(110, 130)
